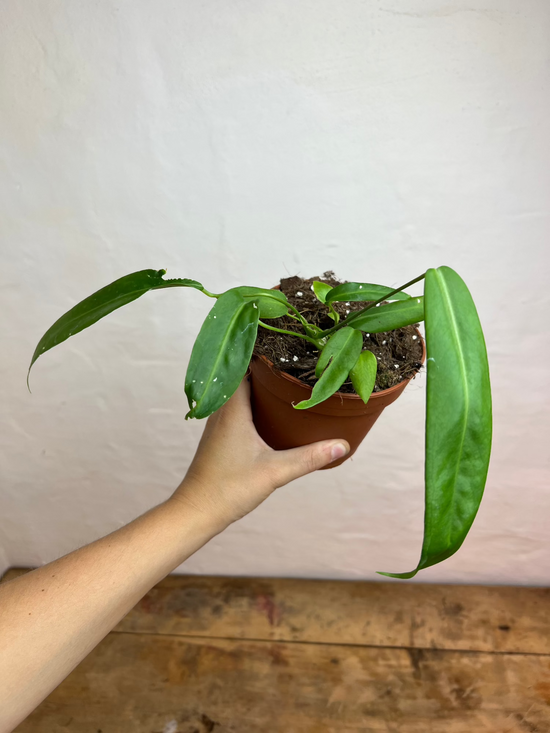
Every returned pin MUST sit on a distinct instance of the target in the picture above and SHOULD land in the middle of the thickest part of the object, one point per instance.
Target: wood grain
(243, 655)
(413, 615)
(145, 683)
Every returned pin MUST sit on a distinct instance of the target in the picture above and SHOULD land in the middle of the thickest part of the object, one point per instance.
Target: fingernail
(338, 451)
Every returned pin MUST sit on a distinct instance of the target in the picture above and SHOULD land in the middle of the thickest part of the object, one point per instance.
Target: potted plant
(288, 368)
(458, 395)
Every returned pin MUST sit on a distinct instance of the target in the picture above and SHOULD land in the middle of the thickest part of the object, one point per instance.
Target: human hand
(234, 470)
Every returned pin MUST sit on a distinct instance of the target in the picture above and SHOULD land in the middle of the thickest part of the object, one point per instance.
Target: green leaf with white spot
(362, 291)
(272, 303)
(221, 354)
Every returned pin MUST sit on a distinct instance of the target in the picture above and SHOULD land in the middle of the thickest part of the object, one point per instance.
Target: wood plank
(141, 683)
(413, 615)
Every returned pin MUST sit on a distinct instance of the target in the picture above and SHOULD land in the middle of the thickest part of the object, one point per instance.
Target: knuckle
(311, 460)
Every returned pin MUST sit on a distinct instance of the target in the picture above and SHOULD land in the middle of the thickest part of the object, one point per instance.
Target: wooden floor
(202, 654)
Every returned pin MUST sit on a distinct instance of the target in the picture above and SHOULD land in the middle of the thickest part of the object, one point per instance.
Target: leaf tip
(399, 576)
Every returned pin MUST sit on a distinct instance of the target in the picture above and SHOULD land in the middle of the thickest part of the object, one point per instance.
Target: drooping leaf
(331, 349)
(363, 374)
(272, 303)
(391, 316)
(105, 301)
(362, 291)
(343, 348)
(321, 290)
(221, 353)
(458, 416)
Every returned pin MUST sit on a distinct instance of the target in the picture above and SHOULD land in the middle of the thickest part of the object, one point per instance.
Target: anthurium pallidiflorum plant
(458, 396)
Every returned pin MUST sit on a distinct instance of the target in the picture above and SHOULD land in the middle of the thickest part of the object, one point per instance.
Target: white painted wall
(237, 142)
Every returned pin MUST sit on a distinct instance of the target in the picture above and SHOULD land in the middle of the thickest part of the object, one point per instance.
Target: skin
(51, 618)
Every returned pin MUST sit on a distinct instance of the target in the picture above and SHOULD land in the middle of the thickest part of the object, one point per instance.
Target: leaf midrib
(87, 313)
(221, 351)
(338, 360)
(75, 318)
(462, 364)
(375, 312)
(124, 296)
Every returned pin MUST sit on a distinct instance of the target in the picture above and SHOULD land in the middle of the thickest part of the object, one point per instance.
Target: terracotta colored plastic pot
(341, 416)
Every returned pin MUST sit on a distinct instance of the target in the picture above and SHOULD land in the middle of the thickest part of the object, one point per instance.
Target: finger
(239, 402)
(296, 462)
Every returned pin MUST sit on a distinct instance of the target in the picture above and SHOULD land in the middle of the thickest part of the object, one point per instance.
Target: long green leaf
(391, 316)
(104, 301)
(458, 416)
(272, 303)
(361, 291)
(343, 349)
(363, 374)
(221, 353)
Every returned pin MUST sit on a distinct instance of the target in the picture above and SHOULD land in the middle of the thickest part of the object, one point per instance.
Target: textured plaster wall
(238, 142)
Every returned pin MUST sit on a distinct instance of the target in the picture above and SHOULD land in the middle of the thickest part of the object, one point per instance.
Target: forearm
(52, 618)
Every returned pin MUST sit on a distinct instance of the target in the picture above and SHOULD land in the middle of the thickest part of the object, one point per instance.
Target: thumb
(296, 462)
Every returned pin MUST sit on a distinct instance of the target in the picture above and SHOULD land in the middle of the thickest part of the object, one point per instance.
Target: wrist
(207, 515)
(167, 535)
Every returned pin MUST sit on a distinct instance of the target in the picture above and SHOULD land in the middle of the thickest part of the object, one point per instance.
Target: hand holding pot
(234, 470)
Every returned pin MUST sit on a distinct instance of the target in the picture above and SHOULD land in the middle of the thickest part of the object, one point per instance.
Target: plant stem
(347, 321)
(335, 313)
(273, 297)
(210, 295)
(315, 342)
(300, 316)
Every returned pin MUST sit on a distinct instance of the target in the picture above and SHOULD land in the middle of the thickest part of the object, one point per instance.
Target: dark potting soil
(398, 352)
